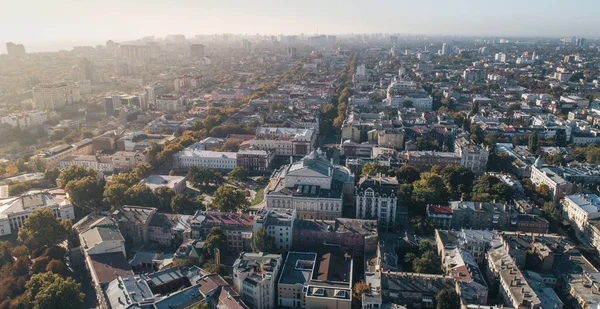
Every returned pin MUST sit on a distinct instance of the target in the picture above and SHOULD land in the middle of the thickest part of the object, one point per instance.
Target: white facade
(285, 141)
(254, 277)
(169, 103)
(580, 208)
(101, 164)
(540, 175)
(278, 223)
(399, 93)
(193, 156)
(25, 120)
(53, 96)
(376, 199)
(14, 210)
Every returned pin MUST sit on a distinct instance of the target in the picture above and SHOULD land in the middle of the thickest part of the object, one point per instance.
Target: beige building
(541, 175)
(127, 160)
(254, 276)
(54, 96)
(316, 280)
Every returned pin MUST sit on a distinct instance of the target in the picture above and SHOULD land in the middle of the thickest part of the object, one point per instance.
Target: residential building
(425, 160)
(101, 164)
(176, 183)
(194, 156)
(357, 235)
(254, 276)
(15, 50)
(541, 175)
(376, 199)
(579, 209)
(55, 96)
(170, 288)
(236, 227)
(279, 224)
(169, 103)
(169, 230)
(14, 210)
(134, 222)
(128, 160)
(390, 138)
(476, 242)
(471, 285)
(285, 141)
(255, 160)
(414, 290)
(24, 120)
(53, 156)
(408, 94)
(514, 289)
(313, 186)
(472, 156)
(316, 280)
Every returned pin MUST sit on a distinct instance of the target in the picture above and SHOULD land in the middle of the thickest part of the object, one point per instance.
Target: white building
(170, 103)
(500, 57)
(100, 164)
(580, 208)
(14, 210)
(313, 186)
(472, 156)
(285, 141)
(408, 94)
(278, 222)
(254, 278)
(540, 175)
(194, 156)
(57, 95)
(376, 199)
(581, 102)
(25, 120)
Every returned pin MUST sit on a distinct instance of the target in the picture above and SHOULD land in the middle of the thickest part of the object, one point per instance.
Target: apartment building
(254, 278)
(316, 280)
(54, 155)
(357, 235)
(101, 164)
(376, 199)
(472, 156)
(255, 160)
(55, 96)
(409, 94)
(24, 120)
(425, 160)
(559, 187)
(236, 227)
(285, 141)
(279, 224)
(134, 222)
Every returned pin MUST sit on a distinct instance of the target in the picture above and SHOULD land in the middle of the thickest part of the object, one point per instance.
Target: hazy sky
(37, 23)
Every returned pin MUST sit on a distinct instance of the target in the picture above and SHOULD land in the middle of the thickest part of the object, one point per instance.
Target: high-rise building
(57, 95)
(291, 52)
(197, 51)
(394, 40)
(500, 57)
(446, 49)
(15, 50)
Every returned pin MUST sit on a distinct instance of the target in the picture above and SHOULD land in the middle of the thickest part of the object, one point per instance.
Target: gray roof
(298, 273)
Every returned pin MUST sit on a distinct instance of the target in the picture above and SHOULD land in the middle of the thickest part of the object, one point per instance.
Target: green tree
(140, 195)
(181, 204)
(408, 174)
(52, 175)
(49, 290)
(57, 267)
(231, 145)
(430, 189)
(43, 229)
(164, 195)
(458, 180)
(215, 240)
(142, 170)
(239, 174)
(74, 172)
(58, 134)
(427, 263)
(447, 299)
(85, 192)
(114, 194)
(373, 169)
(229, 199)
(262, 241)
(489, 188)
(533, 142)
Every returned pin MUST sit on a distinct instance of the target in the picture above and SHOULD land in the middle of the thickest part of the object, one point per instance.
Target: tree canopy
(43, 229)
(49, 290)
(230, 199)
(239, 173)
(262, 241)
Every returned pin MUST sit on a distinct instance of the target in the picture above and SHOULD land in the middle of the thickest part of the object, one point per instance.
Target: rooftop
(298, 268)
(156, 181)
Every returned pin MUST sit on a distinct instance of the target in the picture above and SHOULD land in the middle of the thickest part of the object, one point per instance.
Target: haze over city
(61, 24)
(276, 154)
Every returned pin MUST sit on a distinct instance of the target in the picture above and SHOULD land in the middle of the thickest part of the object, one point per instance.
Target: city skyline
(66, 23)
